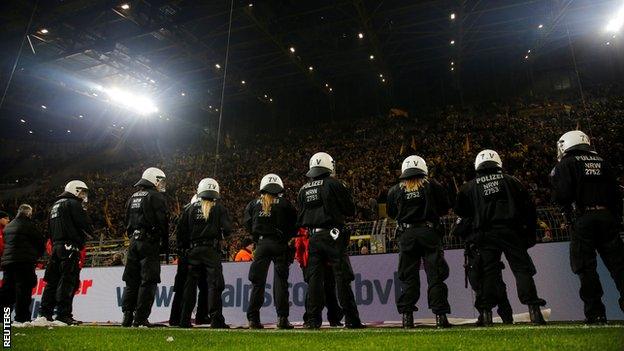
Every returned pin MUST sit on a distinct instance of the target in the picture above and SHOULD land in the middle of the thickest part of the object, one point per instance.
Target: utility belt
(423, 224)
(204, 242)
(333, 232)
(143, 235)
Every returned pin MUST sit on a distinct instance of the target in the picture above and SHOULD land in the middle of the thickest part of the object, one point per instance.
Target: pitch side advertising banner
(376, 288)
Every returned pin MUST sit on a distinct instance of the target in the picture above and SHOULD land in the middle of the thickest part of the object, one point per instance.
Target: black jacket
(324, 202)
(23, 243)
(147, 210)
(426, 204)
(495, 199)
(69, 222)
(279, 223)
(585, 179)
(193, 228)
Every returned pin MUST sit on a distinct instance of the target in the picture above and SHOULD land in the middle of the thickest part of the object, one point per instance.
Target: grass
(517, 337)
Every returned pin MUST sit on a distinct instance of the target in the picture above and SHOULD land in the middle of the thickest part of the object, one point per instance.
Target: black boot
(255, 324)
(597, 320)
(283, 323)
(485, 319)
(442, 321)
(507, 318)
(334, 323)
(142, 323)
(312, 323)
(128, 317)
(408, 320)
(535, 313)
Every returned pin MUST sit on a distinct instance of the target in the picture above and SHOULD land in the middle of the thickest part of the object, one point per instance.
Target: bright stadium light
(452, 42)
(243, 82)
(361, 35)
(218, 66)
(43, 31)
(311, 68)
(125, 6)
(371, 57)
(615, 24)
(540, 26)
(136, 103)
(30, 132)
(44, 107)
(22, 120)
(452, 16)
(292, 49)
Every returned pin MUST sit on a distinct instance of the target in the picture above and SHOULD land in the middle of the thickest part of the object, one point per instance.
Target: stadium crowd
(368, 153)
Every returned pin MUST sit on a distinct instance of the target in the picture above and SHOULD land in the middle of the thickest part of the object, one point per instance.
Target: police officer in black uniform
(271, 222)
(202, 225)
(417, 203)
(69, 226)
(147, 225)
(202, 316)
(473, 266)
(584, 184)
(504, 221)
(324, 202)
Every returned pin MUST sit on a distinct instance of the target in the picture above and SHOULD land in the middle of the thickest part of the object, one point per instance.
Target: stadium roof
(176, 50)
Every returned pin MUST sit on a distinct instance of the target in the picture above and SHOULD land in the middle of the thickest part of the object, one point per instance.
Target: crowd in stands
(368, 154)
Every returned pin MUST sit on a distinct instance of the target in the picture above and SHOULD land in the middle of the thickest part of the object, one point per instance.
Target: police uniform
(504, 221)
(418, 216)
(147, 222)
(473, 265)
(584, 184)
(271, 231)
(69, 226)
(201, 238)
(182, 270)
(324, 202)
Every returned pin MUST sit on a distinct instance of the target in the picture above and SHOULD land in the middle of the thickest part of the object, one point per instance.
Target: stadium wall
(375, 287)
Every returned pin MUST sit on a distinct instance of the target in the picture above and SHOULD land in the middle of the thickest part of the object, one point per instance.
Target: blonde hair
(267, 202)
(413, 184)
(206, 207)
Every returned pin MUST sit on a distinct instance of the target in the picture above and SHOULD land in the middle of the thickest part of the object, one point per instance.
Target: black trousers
(178, 296)
(142, 274)
(475, 278)
(61, 274)
(334, 311)
(19, 280)
(204, 264)
(596, 231)
(324, 250)
(492, 244)
(424, 244)
(269, 250)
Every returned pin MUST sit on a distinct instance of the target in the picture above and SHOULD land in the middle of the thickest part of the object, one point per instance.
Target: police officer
(324, 202)
(504, 221)
(202, 316)
(584, 184)
(417, 203)
(202, 225)
(271, 222)
(69, 226)
(147, 225)
(473, 266)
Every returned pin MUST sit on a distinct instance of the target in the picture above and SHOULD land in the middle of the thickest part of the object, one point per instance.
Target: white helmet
(488, 159)
(208, 189)
(321, 163)
(413, 166)
(574, 139)
(154, 176)
(74, 187)
(272, 184)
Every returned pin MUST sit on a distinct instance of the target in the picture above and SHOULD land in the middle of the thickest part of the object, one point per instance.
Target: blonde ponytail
(267, 202)
(413, 184)
(206, 207)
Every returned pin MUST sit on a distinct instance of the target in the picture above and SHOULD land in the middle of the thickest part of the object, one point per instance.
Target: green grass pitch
(516, 337)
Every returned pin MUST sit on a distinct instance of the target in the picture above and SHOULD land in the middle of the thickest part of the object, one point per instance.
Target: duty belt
(595, 208)
(206, 242)
(425, 224)
(317, 230)
(140, 234)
